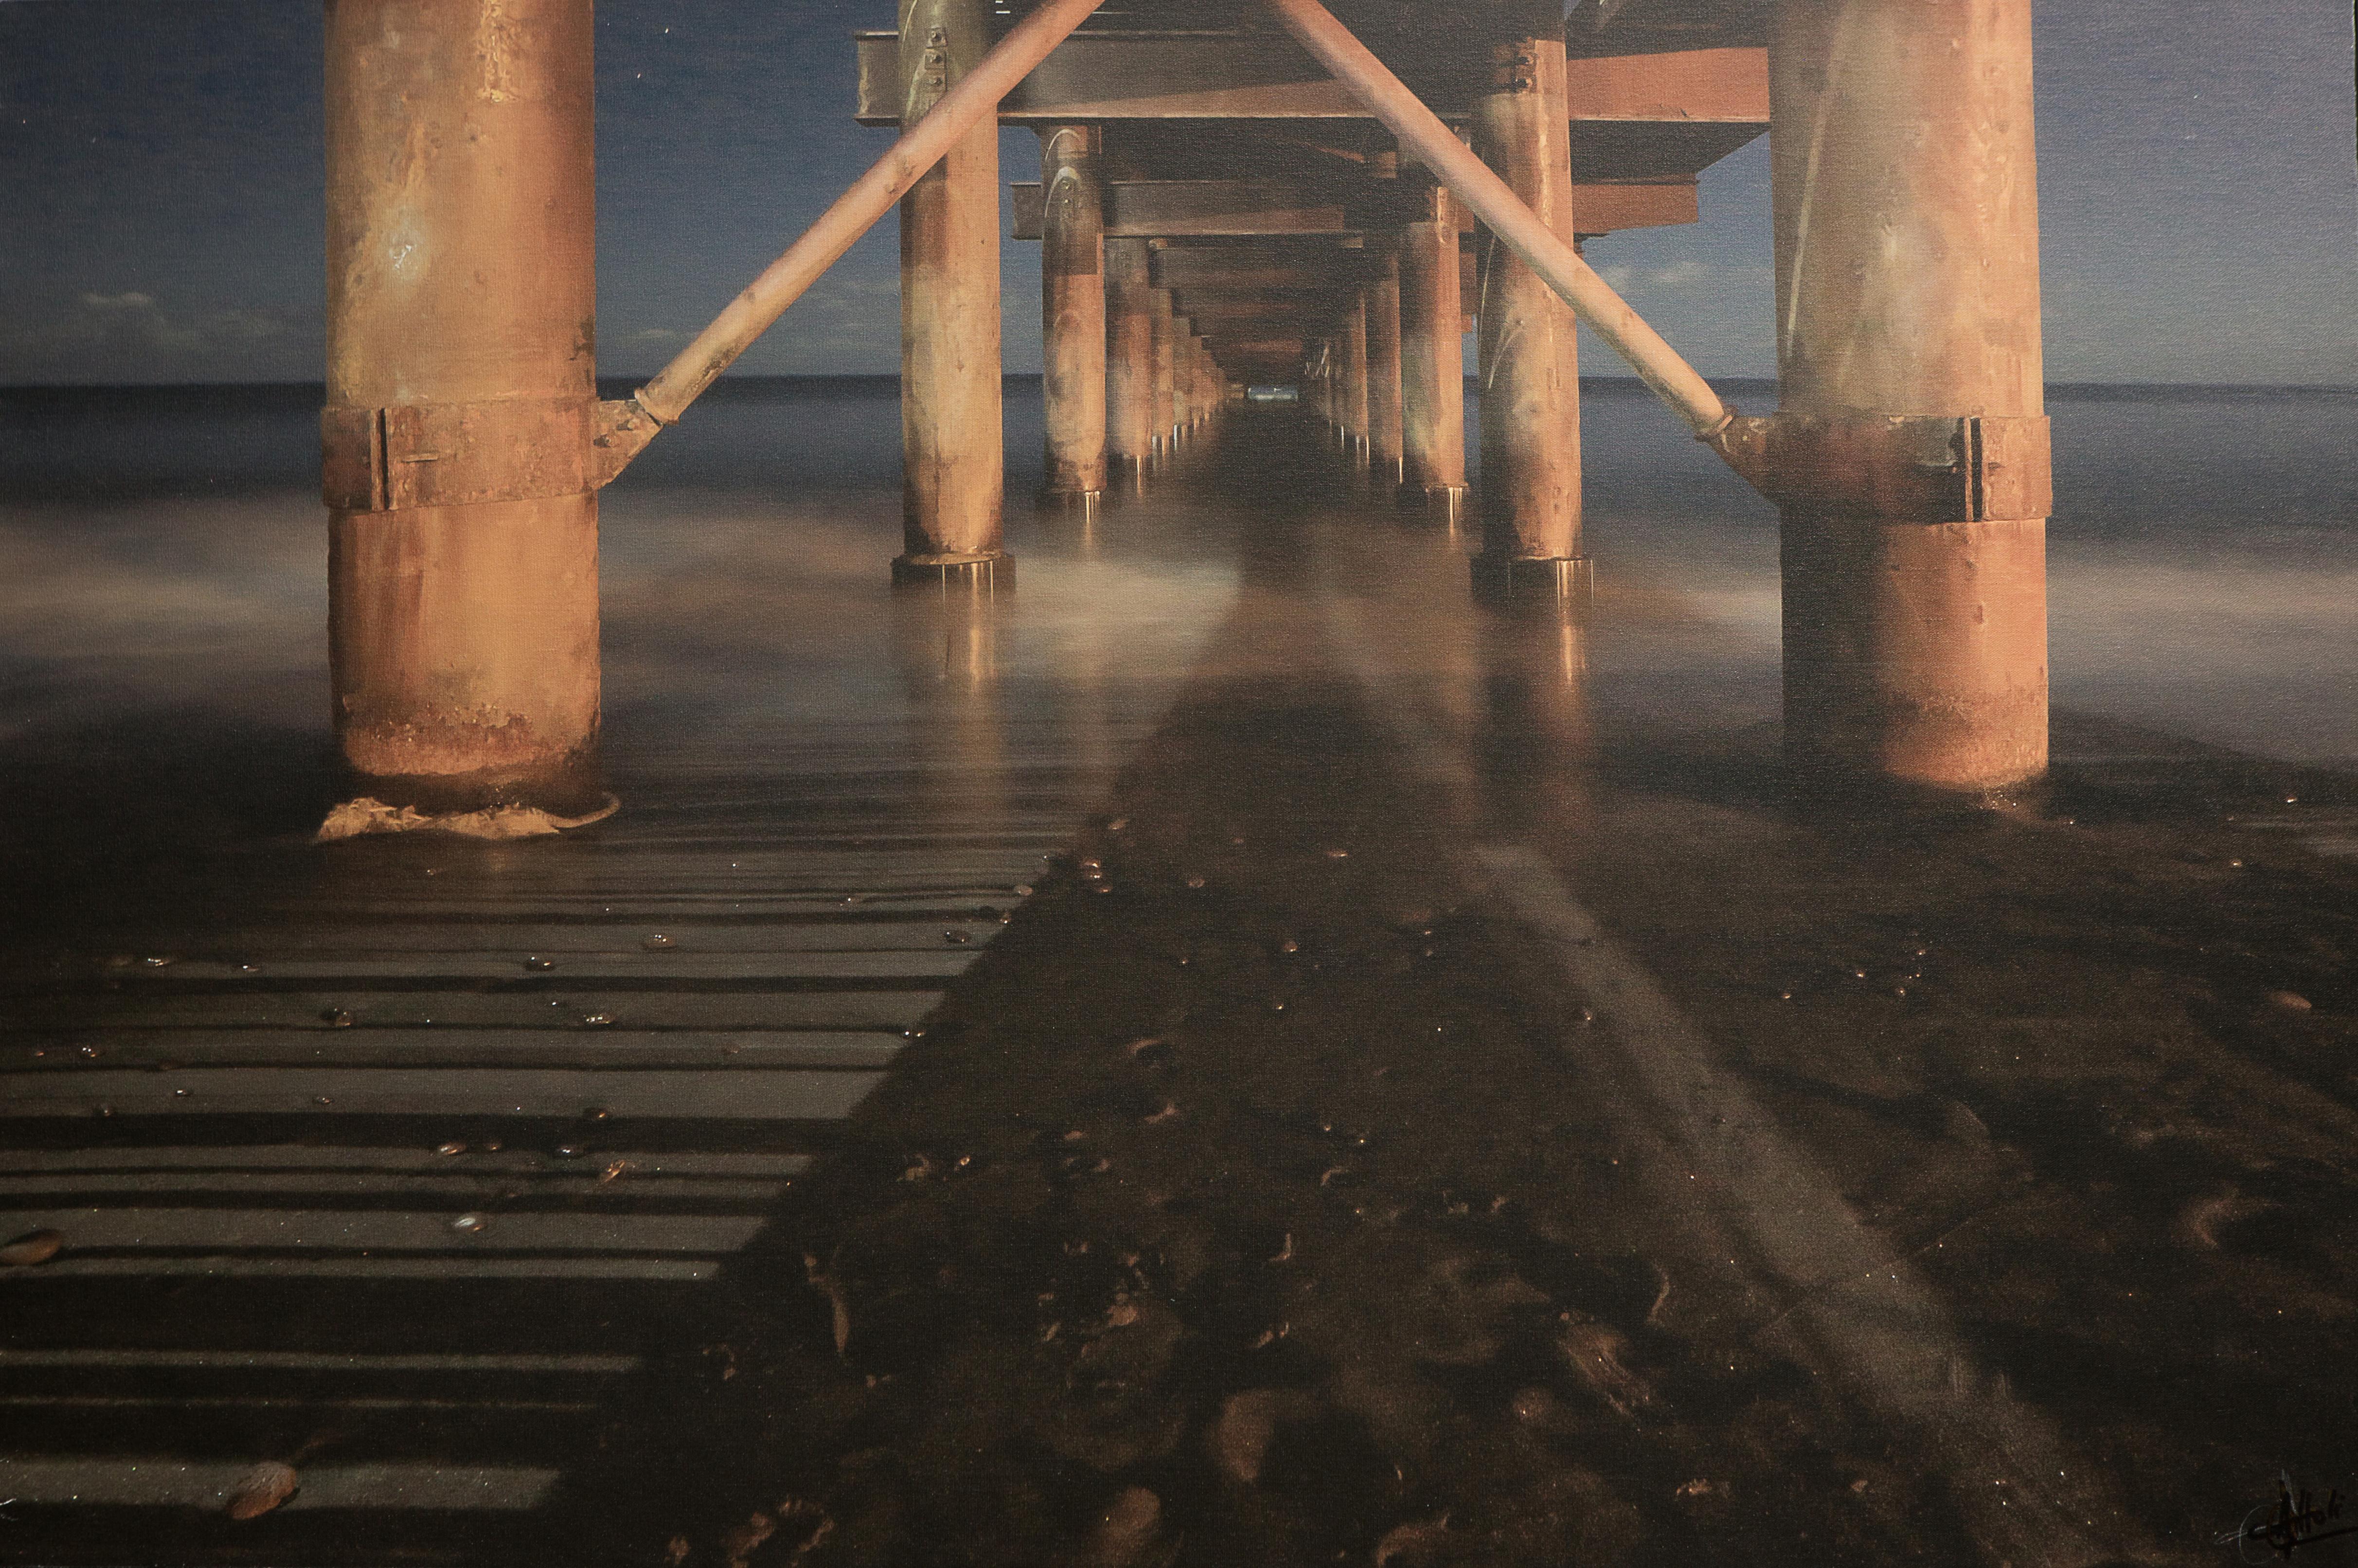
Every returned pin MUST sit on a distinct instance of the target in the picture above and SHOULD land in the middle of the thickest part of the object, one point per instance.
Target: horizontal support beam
(1225, 76)
(1899, 468)
(1245, 209)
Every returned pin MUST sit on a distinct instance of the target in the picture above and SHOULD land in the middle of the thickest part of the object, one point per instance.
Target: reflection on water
(166, 557)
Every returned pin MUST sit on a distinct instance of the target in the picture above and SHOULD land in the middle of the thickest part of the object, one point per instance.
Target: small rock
(336, 1018)
(536, 963)
(263, 1487)
(1532, 1405)
(453, 1147)
(469, 1223)
(658, 943)
(1125, 1529)
(1411, 1542)
(2290, 1001)
(34, 1247)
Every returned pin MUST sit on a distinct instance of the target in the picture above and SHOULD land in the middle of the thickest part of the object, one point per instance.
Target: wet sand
(1451, 1097)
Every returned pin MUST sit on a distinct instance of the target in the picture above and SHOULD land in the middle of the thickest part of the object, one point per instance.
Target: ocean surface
(164, 555)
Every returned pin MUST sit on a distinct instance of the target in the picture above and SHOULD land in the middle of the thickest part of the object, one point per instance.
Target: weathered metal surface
(1910, 445)
(1205, 206)
(952, 475)
(461, 379)
(1533, 240)
(1384, 413)
(1351, 341)
(455, 454)
(1164, 363)
(1530, 365)
(1209, 208)
(1130, 355)
(1433, 355)
(968, 103)
(1073, 312)
(1908, 467)
(1170, 76)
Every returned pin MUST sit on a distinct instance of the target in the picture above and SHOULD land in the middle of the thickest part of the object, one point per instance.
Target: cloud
(130, 336)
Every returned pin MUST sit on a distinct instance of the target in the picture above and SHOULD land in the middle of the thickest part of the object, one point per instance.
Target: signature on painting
(2298, 1517)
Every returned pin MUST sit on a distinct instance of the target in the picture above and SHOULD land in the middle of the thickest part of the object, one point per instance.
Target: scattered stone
(453, 1147)
(1125, 1529)
(1533, 1406)
(1249, 1424)
(1696, 1488)
(2290, 1001)
(471, 1224)
(336, 1018)
(32, 1248)
(263, 1487)
(1594, 1350)
(1411, 1542)
(658, 943)
(537, 964)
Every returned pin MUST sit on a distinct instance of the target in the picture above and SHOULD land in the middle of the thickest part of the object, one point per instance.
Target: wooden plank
(946, 961)
(779, 1094)
(103, 1229)
(314, 1046)
(858, 1009)
(198, 1157)
(1265, 76)
(1202, 208)
(831, 932)
(164, 1481)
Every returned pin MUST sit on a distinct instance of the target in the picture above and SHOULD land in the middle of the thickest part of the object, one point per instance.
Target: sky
(161, 212)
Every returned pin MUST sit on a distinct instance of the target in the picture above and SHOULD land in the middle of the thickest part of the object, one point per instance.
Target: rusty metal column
(1531, 368)
(1911, 428)
(461, 316)
(1383, 318)
(1129, 357)
(1183, 389)
(1433, 362)
(954, 478)
(1073, 312)
(1354, 338)
(1165, 353)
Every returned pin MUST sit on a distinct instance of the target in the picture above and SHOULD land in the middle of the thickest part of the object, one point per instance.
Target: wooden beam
(1214, 209)
(1261, 76)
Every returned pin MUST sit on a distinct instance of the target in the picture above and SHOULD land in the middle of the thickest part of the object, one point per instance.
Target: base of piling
(1084, 503)
(1565, 580)
(979, 576)
(1441, 503)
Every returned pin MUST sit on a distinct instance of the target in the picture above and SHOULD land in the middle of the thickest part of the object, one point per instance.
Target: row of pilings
(1908, 457)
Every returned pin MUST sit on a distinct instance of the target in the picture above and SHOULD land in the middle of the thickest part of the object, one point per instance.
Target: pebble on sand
(34, 1247)
(2290, 1001)
(263, 1487)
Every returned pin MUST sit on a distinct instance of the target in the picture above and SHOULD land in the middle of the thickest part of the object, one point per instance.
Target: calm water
(164, 564)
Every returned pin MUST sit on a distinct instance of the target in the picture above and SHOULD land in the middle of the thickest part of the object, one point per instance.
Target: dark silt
(1231, 1054)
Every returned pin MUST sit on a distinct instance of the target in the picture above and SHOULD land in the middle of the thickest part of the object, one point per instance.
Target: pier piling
(954, 479)
(1529, 365)
(1072, 313)
(1433, 362)
(462, 325)
(1910, 442)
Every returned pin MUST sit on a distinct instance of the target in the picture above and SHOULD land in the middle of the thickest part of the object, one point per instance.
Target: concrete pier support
(1530, 365)
(954, 474)
(1910, 433)
(1383, 318)
(1354, 367)
(461, 324)
(1129, 359)
(1433, 362)
(1166, 362)
(1073, 312)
